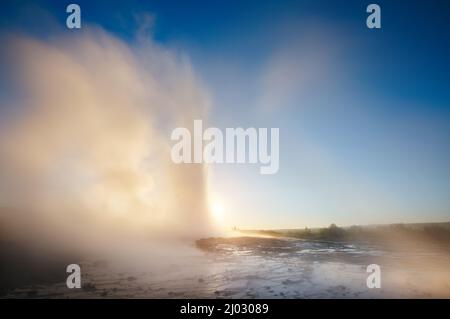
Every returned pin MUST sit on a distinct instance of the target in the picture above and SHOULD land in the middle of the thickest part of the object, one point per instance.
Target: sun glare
(217, 210)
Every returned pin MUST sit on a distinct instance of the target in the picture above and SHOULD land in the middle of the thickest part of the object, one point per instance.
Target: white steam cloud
(85, 139)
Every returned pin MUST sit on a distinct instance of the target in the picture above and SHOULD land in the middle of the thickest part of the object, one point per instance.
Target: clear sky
(364, 115)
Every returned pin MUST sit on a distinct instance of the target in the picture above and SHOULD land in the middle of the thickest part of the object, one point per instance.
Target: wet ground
(255, 267)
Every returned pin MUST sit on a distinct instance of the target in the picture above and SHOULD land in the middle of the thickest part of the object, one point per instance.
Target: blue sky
(364, 115)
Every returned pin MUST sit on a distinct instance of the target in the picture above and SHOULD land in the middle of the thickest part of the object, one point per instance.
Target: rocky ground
(256, 267)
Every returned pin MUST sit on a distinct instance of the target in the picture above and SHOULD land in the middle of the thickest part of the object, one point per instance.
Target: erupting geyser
(85, 140)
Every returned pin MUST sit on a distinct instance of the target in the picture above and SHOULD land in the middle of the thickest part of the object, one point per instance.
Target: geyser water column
(85, 151)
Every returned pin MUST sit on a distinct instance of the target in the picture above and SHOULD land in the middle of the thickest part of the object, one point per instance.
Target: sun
(217, 210)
